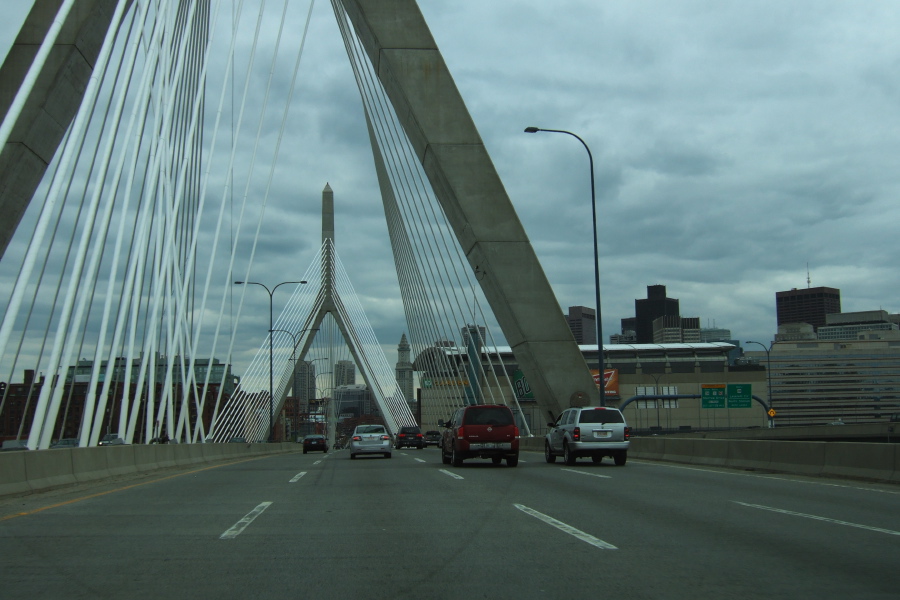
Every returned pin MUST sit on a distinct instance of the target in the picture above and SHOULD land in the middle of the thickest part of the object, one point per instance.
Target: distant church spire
(404, 370)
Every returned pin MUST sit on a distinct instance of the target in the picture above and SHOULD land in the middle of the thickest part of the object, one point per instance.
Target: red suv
(480, 431)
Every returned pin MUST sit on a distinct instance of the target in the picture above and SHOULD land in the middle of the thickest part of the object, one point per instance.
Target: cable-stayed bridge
(135, 201)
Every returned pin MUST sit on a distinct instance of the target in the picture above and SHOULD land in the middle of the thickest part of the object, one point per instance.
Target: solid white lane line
(297, 477)
(586, 473)
(818, 518)
(453, 475)
(241, 525)
(584, 537)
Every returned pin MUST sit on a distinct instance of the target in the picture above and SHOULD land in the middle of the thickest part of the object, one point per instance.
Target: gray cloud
(734, 143)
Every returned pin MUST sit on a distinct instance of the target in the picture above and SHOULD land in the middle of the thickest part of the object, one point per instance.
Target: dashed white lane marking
(818, 518)
(241, 525)
(584, 537)
(420, 460)
(297, 477)
(453, 475)
(586, 473)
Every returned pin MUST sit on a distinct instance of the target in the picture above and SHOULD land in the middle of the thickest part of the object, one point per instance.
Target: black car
(315, 442)
(411, 437)
(432, 438)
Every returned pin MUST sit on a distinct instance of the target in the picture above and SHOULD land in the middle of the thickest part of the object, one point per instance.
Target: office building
(344, 373)
(869, 324)
(820, 382)
(808, 305)
(583, 323)
(647, 310)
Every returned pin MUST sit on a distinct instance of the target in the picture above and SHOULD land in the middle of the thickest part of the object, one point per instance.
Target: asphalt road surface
(323, 526)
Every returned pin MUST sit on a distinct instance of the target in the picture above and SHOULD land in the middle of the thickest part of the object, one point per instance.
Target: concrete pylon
(444, 137)
(394, 410)
(54, 99)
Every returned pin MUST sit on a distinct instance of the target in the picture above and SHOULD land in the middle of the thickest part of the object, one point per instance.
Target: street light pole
(768, 375)
(596, 259)
(271, 350)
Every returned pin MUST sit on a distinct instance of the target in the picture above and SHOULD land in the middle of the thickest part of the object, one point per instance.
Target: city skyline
(739, 149)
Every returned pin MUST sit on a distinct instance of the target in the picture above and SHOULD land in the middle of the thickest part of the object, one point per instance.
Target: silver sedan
(370, 439)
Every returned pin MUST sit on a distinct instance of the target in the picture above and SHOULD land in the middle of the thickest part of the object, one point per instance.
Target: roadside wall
(875, 461)
(26, 471)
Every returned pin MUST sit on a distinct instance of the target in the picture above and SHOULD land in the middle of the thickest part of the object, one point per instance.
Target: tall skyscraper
(344, 373)
(404, 370)
(583, 323)
(807, 305)
(647, 310)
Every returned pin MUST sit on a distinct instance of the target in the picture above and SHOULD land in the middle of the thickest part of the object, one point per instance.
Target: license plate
(605, 433)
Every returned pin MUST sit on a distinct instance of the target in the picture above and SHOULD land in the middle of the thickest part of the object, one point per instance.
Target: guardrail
(23, 472)
(862, 460)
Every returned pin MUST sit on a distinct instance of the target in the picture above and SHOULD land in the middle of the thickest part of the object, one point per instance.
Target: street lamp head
(532, 129)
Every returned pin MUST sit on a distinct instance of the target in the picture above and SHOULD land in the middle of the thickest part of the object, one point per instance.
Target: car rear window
(409, 430)
(492, 415)
(370, 429)
(601, 416)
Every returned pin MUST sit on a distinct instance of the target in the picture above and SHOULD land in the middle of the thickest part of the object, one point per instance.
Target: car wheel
(548, 453)
(512, 461)
(387, 454)
(352, 456)
(304, 451)
(496, 459)
(568, 455)
(620, 457)
(445, 458)
(597, 458)
(455, 458)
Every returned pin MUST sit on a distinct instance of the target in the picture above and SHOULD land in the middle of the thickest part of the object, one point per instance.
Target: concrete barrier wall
(22, 472)
(13, 477)
(841, 459)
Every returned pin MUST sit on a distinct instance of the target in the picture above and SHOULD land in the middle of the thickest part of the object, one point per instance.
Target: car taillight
(576, 433)
(418, 435)
(515, 431)
(356, 438)
(461, 432)
(385, 437)
(627, 432)
(401, 435)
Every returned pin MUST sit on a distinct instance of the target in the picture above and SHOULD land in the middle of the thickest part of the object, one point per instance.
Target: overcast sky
(734, 144)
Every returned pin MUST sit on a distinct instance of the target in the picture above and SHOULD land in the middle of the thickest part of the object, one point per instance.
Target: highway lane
(326, 526)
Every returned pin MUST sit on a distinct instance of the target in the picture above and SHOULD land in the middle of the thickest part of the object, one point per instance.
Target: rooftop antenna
(808, 282)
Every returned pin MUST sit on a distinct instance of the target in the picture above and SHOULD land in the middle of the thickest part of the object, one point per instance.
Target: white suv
(594, 431)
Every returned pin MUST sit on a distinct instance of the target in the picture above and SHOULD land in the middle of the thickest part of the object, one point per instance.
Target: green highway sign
(712, 395)
(720, 395)
(739, 395)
